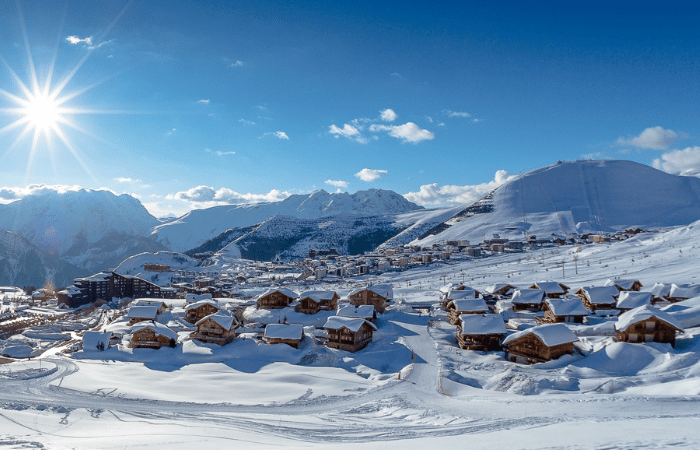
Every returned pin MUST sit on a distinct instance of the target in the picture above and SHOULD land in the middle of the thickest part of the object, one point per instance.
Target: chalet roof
(317, 296)
(601, 295)
(551, 287)
(147, 302)
(566, 307)
(284, 331)
(455, 295)
(684, 290)
(528, 296)
(284, 291)
(643, 313)
(143, 312)
(361, 311)
(633, 299)
(482, 324)
(351, 323)
(623, 285)
(550, 335)
(223, 318)
(91, 339)
(191, 298)
(660, 290)
(385, 290)
(159, 329)
(206, 301)
(469, 305)
(505, 287)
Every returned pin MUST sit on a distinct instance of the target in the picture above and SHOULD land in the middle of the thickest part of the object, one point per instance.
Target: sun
(42, 113)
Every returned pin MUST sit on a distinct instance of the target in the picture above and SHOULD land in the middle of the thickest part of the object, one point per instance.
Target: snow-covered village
(362, 226)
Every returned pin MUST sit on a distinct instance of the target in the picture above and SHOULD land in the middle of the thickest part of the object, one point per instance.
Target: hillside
(577, 197)
(198, 226)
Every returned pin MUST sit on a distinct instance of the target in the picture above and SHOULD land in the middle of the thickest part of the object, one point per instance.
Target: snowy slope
(54, 221)
(198, 226)
(134, 265)
(581, 196)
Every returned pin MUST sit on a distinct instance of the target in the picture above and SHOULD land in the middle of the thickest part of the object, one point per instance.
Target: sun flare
(42, 112)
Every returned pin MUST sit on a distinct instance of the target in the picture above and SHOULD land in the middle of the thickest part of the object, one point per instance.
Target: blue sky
(187, 105)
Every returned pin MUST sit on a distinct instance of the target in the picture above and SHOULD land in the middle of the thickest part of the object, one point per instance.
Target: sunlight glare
(42, 112)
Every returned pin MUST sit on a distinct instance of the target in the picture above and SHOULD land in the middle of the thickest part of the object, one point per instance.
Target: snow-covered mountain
(198, 226)
(577, 197)
(55, 221)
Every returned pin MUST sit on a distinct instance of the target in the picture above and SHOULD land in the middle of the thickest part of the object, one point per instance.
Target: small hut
(596, 298)
(142, 314)
(528, 300)
(680, 292)
(160, 304)
(647, 324)
(152, 335)
(557, 310)
(275, 298)
(624, 285)
(632, 299)
(552, 289)
(660, 292)
(378, 295)
(539, 344)
(366, 312)
(456, 308)
(201, 309)
(283, 333)
(311, 302)
(458, 295)
(480, 332)
(350, 334)
(500, 289)
(218, 328)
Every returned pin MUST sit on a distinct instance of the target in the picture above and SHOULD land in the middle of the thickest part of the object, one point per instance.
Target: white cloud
(16, 193)
(126, 180)
(370, 174)
(388, 115)
(337, 183)
(225, 153)
(278, 134)
(75, 40)
(655, 138)
(246, 122)
(408, 132)
(436, 195)
(237, 63)
(202, 196)
(456, 113)
(680, 162)
(205, 101)
(349, 131)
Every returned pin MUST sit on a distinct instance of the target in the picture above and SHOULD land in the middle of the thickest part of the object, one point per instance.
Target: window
(651, 325)
(648, 338)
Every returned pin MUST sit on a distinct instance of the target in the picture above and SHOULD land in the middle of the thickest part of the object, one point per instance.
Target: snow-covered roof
(191, 298)
(499, 286)
(206, 301)
(284, 291)
(91, 339)
(528, 296)
(143, 312)
(660, 290)
(222, 317)
(566, 307)
(624, 285)
(361, 311)
(455, 295)
(147, 302)
(551, 334)
(283, 331)
(633, 299)
(482, 324)
(550, 287)
(385, 290)
(159, 329)
(102, 276)
(317, 296)
(625, 320)
(684, 290)
(351, 323)
(601, 295)
(469, 305)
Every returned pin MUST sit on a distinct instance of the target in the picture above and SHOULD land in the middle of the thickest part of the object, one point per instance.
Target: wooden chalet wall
(480, 342)
(213, 333)
(147, 338)
(274, 300)
(308, 306)
(549, 317)
(193, 315)
(649, 330)
(529, 349)
(367, 297)
(348, 340)
(291, 342)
